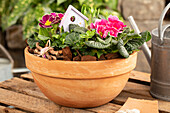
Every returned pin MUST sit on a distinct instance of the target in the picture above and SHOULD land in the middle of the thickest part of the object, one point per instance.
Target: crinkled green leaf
(80, 30)
(96, 45)
(114, 42)
(134, 44)
(146, 35)
(72, 26)
(122, 50)
(107, 41)
(131, 36)
(72, 38)
(31, 42)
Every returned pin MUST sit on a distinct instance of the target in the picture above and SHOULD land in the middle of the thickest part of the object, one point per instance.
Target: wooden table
(20, 95)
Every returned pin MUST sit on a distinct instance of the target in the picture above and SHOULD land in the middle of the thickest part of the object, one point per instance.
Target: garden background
(18, 18)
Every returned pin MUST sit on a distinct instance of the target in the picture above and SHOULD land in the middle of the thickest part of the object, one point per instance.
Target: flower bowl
(80, 84)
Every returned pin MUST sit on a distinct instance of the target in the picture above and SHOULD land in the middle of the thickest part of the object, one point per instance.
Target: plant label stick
(72, 16)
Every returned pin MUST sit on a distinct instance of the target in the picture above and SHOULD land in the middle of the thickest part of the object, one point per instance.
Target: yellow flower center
(47, 23)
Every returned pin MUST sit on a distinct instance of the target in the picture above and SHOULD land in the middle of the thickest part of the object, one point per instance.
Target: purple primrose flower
(49, 19)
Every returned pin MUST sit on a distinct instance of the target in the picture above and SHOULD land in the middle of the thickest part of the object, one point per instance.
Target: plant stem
(78, 52)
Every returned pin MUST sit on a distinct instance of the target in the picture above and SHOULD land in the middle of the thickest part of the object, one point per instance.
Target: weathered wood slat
(9, 110)
(30, 88)
(27, 103)
(32, 104)
(140, 91)
(140, 76)
(107, 108)
(136, 75)
(27, 76)
(23, 86)
(137, 89)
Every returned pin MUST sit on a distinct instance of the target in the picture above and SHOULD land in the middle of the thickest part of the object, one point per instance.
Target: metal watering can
(160, 59)
(6, 66)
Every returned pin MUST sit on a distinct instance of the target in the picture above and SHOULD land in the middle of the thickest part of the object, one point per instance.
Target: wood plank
(107, 108)
(9, 110)
(22, 86)
(27, 76)
(140, 91)
(137, 75)
(30, 103)
(73, 110)
(137, 89)
(30, 88)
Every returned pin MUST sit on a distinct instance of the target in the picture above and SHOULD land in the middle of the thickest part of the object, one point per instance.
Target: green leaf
(31, 42)
(44, 32)
(62, 46)
(97, 45)
(99, 53)
(72, 26)
(60, 2)
(131, 36)
(90, 33)
(123, 52)
(146, 35)
(80, 30)
(114, 42)
(83, 36)
(134, 44)
(42, 37)
(122, 49)
(107, 41)
(72, 38)
(56, 43)
(56, 36)
(126, 30)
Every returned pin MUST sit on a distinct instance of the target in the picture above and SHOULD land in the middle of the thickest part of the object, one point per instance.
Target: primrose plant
(104, 39)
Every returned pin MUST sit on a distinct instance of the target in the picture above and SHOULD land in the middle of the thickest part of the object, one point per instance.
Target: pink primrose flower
(113, 26)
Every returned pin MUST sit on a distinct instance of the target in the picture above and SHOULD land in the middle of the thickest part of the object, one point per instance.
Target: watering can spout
(145, 48)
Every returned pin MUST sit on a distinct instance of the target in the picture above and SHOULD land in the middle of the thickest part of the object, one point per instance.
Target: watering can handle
(160, 30)
(7, 54)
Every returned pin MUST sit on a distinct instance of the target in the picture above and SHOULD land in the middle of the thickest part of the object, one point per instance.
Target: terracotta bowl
(80, 84)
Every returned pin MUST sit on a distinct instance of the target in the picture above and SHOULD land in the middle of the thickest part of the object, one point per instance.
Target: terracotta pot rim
(28, 53)
(81, 69)
(95, 78)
